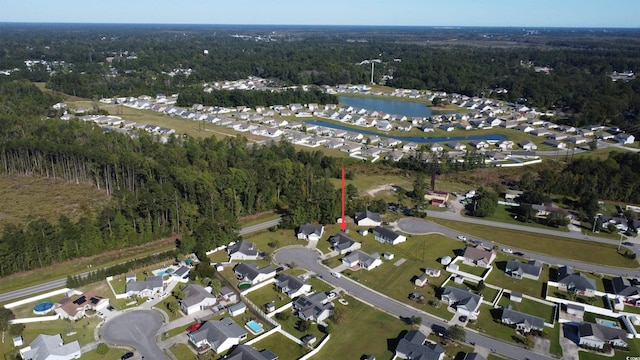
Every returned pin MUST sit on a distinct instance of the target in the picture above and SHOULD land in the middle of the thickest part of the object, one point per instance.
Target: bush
(102, 349)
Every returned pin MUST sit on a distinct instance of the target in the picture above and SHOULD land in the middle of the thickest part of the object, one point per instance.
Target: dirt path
(377, 189)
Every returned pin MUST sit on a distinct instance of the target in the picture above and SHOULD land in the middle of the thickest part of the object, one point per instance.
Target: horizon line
(326, 25)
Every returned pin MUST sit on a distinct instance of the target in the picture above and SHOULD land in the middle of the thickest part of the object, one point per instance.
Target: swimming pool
(255, 327)
(42, 308)
(608, 323)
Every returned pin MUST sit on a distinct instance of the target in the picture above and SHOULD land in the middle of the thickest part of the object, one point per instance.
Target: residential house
(219, 335)
(577, 140)
(505, 145)
(387, 235)
(557, 136)
(436, 197)
(524, 323)
(384, 125)
(519, 270)
(74, 308)
(343, 244)
(421, 280)
(51, 347)
(596, 336)
(427, 128)
(539, 132)
(314, 307)
(524, 128)
(196, 298)
(465, 302)
(246, 352)
(446, 127)
(568, 280)
(237, 309)
(251, 273)
(628, 289)
(511, 195)
(436, 147)
(367, 218)
(574, 309)
(457, 146)
(150, 286)
(242, 250)
(227, 295)
(620, 222)
(412, 346)
(479, 144)
(625, 139)
(432, 272)
(181, 274)
(585, 132)
(528, 145)
(478, 256)
(555, 143)
(350, 147)
(310, 232)
(291, 285)
(409, 146)
(361, 260)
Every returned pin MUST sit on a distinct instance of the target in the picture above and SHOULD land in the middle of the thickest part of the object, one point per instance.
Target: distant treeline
(232, 98)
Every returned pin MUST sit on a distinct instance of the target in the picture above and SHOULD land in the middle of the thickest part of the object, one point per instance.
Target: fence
(36, 298)
(318, 348)
(34, 319)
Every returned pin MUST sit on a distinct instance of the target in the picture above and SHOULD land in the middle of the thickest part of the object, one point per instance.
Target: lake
(392, 107)
(483, 136)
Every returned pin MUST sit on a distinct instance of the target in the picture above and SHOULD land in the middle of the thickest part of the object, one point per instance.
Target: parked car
(507, 250)
(336, 274)
(193, 327)
(462, 237)
(126, 356)
(332, 295)
(463, 318)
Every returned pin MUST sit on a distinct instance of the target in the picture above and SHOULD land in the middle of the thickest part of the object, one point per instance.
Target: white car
(336, 274)
(332, 295)
(343, 301)
(462, 237)
(507, 250)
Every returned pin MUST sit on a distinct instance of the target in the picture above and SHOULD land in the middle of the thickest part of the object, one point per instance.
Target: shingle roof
(604, 333)
(341, 241)
(412, 346)
(385, 233)
(243, 247)
(530, 268)
(195, 294)
(575, 280)
(49, 346)
(309, 229)
(217, 331)
(368, 215)
(516, 317)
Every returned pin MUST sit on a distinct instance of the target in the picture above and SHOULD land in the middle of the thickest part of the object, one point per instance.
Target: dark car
(463, 318)
(128, 355)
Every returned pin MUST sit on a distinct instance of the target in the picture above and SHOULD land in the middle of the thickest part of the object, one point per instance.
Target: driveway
(138, 329)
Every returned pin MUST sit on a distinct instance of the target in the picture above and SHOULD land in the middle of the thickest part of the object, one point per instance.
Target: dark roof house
(412, 346)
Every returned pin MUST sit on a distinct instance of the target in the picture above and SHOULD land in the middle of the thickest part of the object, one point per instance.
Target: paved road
(309, 260)
(56, 284)
(419, 226)
(136, 328)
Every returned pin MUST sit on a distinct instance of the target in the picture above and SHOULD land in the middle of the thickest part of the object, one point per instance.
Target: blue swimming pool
(608, 323)
(255, 327)
(43, 308)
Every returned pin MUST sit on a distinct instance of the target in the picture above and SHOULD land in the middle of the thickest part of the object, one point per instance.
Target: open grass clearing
(27, 198)
(505, 214)
(376, 328)
(282, 346)
(589, 252)
(266, 294)
(182, 352)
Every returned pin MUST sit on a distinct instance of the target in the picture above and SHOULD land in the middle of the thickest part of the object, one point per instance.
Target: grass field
(26, 198)
(590, 252)
(524, 286)
(266, 294)
(284, 347)
(363, 331)
(505, 214)
(181, 352)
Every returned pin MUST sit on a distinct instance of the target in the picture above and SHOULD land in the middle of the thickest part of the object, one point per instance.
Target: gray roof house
(519, 270)
(478, 256)
(367, 218)
(387, 235)
(463, 300)
(251, 273)
(568, 280)
(242, 250)
(412, 346)
(310, 232)
(197, 298)
(523, 322)
(343, 244)
(246, 352)
(315, 307)
(50, 347)
(220, 335)
(595, 335)
(362, 260)
(627, 288)
(151, 285)
(291, 285)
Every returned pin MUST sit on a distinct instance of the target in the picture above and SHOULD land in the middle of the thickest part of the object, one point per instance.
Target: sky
(512, 13)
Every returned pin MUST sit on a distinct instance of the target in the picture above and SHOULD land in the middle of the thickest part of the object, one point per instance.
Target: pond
(392, 107)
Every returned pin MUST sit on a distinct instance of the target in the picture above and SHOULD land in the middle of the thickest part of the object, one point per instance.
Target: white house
(51, 347)
(310, 232)
(219, 335)
(251, 273)
(196, 298)
(368, 218)
(625, 139)
(242, 250)
(291, 285)
(387, 235)
(362, 260)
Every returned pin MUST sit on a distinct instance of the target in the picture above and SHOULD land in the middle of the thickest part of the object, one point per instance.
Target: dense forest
(111, 60)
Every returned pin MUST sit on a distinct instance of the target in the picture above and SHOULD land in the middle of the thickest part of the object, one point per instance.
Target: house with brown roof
(73, 308)
(478, 256)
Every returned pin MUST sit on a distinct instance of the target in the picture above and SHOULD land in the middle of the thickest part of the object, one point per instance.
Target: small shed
(270, 307)
(618, 304)
(18, 341)
(445, 260)
(577, 310)
(515, 296)
(237, 309)
(458, 279)
(364, 232)
(388, 256)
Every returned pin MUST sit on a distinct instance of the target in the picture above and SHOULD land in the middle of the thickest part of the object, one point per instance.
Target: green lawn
(182, 352)
(289, 325)
(266, 294)
(634, 350)
(590, 252)
(530, 307)
(163, 305)
(525, 286)
(282, 346)
(506, 214)
(419, 252)
(473, 270)
(376, 328)
(113, 354)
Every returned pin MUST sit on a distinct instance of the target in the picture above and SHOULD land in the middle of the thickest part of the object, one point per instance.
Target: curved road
(137, 328)
(60, 283)
(309, 260)
(419, 226)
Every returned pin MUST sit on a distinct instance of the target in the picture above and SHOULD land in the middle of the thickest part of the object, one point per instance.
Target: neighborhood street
(308, 259)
